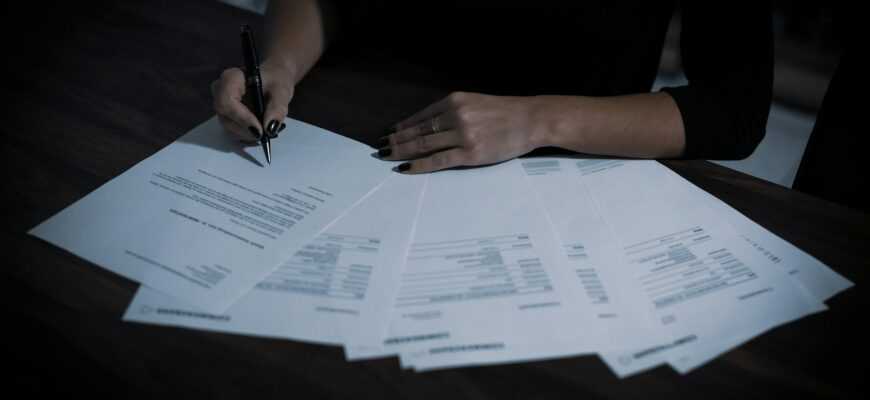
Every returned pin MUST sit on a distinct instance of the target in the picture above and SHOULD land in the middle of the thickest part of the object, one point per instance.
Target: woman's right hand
(228, 93)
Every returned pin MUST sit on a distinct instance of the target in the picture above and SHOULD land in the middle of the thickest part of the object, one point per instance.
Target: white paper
(667, 239)
(203, 221)
(690, 352)
(481, 275)
(587, 252)
(821, 281)
(703, 279)
(590, 250)
(337, 287)
(808, 272)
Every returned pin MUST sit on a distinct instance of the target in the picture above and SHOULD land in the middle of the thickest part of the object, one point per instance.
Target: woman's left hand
(465, 129)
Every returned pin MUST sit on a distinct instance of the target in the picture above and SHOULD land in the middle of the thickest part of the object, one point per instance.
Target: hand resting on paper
(465, 129)
(471, 129)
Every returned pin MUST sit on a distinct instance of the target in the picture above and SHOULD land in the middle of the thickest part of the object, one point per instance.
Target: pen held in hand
(254, 87)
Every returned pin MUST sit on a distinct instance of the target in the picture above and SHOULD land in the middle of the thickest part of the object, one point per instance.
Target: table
(109, 83)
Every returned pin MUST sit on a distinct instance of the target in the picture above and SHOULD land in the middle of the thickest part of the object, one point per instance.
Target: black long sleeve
(727, 57)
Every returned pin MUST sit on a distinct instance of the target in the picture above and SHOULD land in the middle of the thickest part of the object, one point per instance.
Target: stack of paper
(524, 260)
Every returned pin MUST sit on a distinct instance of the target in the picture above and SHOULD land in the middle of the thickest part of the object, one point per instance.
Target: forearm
(295, 36)
(643, 125)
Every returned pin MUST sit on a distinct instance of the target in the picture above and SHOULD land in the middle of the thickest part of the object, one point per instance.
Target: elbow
(749, 130)
(722, 125)
(747, 140)
(727, 136)
(750, 121)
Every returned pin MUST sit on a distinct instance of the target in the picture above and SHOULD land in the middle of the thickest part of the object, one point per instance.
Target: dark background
(37, 38)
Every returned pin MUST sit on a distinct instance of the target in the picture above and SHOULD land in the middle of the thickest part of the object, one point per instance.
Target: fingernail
(255, 132)
(404, 167)
(385, 152)
(272, 128)
(383, 141)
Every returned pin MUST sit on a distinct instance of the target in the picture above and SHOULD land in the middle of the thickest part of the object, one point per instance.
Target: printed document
(338, 287)
(809, 273)
(700, 278)
(480, 272)
(588, 253)
(204, 221)
(689, 272)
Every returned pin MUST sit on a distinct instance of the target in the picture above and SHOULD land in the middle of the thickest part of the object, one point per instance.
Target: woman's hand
(228, 92)
(465, 129)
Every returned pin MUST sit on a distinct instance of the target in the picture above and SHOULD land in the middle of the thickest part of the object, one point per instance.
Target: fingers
(276, 109)
(430, 111)
(227, 93)
(430, 126)
(421, 145)
(244, 134)
(438, 116)
(432, 138)
(454, 157)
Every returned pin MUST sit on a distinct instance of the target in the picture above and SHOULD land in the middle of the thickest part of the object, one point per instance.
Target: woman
(574, 76)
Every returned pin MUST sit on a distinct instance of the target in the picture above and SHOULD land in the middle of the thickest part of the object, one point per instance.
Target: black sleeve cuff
(717, 126)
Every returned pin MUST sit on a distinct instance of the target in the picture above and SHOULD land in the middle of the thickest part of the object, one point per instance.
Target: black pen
(254, 87)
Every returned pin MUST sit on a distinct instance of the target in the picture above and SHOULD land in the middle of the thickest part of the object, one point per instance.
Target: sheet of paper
(686, 354)
(819, 280)
(480, 273)
(702, 279)
(203, 221)
(686, 268)
(337, 287)
(588, 252)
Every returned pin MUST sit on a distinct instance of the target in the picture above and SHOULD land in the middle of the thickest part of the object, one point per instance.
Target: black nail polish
(277, 131)
(383, 141)
(272, 126)
(272, 129)
(385, 152)
(254, 131)
(404, 167)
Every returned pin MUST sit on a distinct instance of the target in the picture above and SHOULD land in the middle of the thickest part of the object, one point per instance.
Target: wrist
(556, 122)
(284, 67)
(540, 123)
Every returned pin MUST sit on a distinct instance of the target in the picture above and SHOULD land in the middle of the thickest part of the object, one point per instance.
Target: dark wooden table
(101, 86)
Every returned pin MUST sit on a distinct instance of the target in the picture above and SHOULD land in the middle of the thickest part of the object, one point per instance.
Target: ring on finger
(436, 124)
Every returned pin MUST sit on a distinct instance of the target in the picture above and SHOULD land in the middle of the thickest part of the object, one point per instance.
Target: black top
(591, 48)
